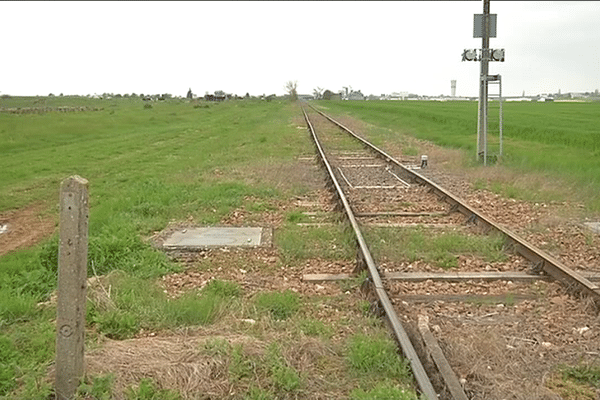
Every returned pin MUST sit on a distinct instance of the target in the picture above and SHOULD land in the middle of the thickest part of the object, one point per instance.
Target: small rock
(583, 330)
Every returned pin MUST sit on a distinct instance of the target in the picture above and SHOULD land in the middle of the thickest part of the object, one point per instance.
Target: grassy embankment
(552, 142)
(147, 166)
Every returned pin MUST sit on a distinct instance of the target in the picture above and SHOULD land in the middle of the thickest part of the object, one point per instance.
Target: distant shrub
(147, 105)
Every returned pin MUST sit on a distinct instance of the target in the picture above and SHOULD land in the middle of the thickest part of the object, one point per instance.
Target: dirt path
(25, 227)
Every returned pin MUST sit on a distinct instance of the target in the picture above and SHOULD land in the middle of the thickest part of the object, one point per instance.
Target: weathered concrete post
(72, 282)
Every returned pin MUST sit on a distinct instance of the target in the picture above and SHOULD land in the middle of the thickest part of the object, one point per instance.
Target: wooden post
(72, 282)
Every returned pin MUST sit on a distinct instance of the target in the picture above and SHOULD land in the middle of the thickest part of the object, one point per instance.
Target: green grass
(138, 304)
(304, 242)
(440, 249)
(315, 328)
(145, 167)
(578, 382)
(583, 374)
(558, 140)
(376, 356)
(100, 388)
(373, 357)
(284, 376)
(280, 305)
(383, 391)
(147, 390)
(25, 351)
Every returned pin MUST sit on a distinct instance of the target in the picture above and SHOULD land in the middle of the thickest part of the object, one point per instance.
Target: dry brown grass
(491, 372)
(172, 362)
(181, 362)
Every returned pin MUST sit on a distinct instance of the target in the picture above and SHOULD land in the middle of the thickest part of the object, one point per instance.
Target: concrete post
(72, 282)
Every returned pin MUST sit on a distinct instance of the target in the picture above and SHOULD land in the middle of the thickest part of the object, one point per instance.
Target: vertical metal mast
(484, 26)
(483, 85)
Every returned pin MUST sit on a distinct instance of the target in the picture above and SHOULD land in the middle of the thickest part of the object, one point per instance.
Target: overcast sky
(256, 47)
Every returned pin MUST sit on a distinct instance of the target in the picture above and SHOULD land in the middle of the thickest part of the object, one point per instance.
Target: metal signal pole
(483, 86)
(484, 26)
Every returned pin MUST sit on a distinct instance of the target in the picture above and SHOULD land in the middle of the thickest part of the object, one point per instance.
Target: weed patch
(117, 324)
(579, 382)
(300, 242)
(147, 390)
(376, 356)
(100, 388)
(280, 305)
(384, 391)
(441, 249)
(285, 378)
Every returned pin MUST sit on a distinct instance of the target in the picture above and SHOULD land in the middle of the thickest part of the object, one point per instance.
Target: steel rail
(421, 376)
(541, 260)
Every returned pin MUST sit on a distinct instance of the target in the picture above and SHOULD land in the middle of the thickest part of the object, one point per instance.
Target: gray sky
(376, 47)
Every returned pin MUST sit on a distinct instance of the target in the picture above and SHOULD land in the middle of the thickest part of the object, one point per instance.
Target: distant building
(356, 95)
(219, 95)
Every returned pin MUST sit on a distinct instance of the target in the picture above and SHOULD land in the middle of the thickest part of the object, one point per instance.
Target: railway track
(384, 201)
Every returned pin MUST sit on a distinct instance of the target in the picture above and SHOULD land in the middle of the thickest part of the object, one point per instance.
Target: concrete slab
(594, 226)
(200, 238)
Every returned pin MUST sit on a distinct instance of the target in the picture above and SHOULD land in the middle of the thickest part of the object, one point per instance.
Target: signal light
(498, 55)
(470, 55)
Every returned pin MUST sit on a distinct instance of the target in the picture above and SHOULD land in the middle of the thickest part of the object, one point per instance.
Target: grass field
(558, 140)
(149, 164)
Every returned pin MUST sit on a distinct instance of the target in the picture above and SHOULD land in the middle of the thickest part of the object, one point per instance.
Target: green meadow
(558, 140)
(149, 164)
